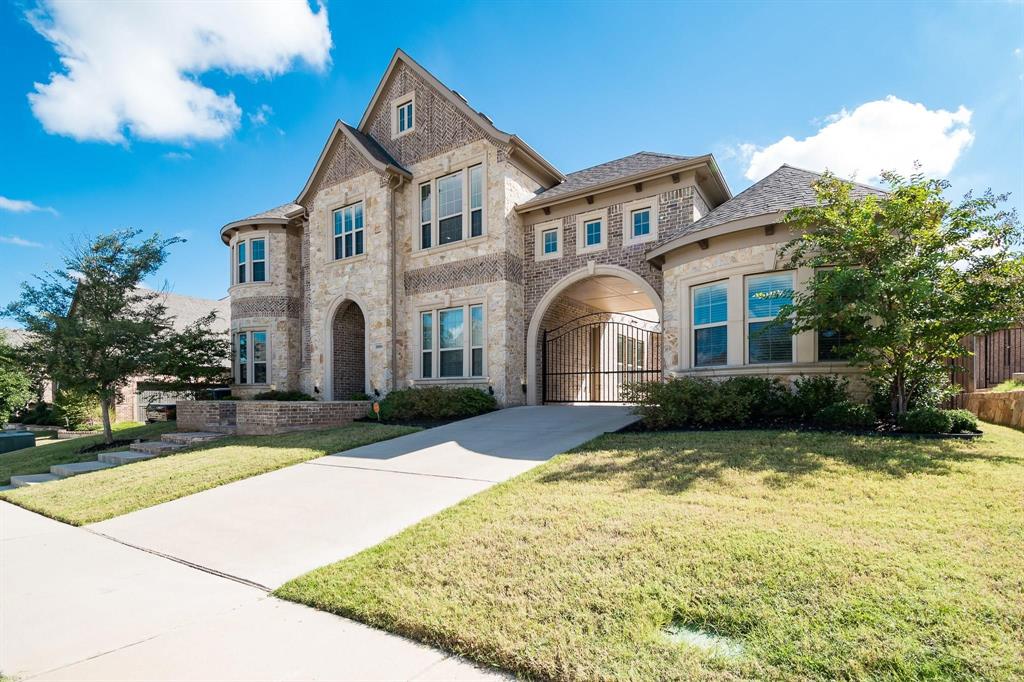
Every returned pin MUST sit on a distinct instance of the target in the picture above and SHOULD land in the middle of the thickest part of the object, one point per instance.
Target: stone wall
(1006, 408)
(265, 417)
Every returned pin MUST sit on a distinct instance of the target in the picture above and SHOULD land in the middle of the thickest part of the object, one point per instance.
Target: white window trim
(247, 240)
(694, 327)
(648, 203)
(395, 104)
(366, 231)
(250, 362)
(435, 350)
(538, 240)
(747, 319)
(418, 249)
(581, 236)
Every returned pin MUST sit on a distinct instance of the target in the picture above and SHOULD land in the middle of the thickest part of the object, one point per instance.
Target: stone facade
(1006, 408)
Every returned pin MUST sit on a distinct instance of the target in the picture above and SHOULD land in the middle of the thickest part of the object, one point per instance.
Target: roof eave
(688, 164)
(252, 222)
(657, 254)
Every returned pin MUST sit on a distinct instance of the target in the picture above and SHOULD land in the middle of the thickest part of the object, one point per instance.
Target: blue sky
(846, 86)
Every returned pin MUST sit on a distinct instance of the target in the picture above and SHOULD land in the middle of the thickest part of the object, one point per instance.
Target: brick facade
(207, 415)
(266, 417)
(349, 351)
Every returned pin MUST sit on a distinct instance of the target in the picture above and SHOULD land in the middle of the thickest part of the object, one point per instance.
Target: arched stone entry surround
(347, 352)
(553, 308)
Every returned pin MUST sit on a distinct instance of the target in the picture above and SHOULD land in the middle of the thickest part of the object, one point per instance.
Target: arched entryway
(594, 331)
(347, 352)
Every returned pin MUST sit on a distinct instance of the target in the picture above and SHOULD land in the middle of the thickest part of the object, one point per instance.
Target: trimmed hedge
(927, 420)
(435, 403)
(845, 415)
(963, 421)
(290, 396)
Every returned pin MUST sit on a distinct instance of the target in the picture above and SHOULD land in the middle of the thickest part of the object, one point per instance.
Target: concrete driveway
(179, 591)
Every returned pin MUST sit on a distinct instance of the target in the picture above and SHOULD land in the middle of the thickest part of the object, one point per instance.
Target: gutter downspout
(393, 274)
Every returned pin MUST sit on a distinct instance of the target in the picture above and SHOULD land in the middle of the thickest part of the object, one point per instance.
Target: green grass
(49, 451)
(1009, 385)
(824, 556)
(104, 494)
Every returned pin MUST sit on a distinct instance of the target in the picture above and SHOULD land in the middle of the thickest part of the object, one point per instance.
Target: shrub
(359, 395)
(813, 394)
(845, 414)
(927, 420)
(768, 398)
(435, 402)
(283, 395)
(689, 402)
(73, 409)
(962, 421)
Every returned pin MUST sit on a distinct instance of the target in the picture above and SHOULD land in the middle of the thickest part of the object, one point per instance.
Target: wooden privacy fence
(997, 357)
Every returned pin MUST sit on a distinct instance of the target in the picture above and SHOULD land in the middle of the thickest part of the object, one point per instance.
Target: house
(430, 247)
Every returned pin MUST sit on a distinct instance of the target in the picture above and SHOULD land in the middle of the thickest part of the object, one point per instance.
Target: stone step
(191, 437)
(76, 468)
(125, 457)
(32, 479)
(155, 447)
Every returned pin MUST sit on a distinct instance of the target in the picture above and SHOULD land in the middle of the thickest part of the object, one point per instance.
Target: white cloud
(132, 68)
(888, 134)
(261, 116)
(178, 156)
(23, 206)
(18, 241)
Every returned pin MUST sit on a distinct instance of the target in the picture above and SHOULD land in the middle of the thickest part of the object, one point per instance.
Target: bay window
(349, 239)
(710, 329)
(240, 250)
(766, 296)
(451, 207)
(251, 260)
(251, 355)
(459, 349)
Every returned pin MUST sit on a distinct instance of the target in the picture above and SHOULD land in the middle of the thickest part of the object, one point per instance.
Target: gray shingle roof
(627, 166)
(187, 309)
(783, 189)
(281, 212)
(373, 148)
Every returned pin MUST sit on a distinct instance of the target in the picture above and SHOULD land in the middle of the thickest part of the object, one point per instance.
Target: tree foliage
(907, 274)
(194, 361)
(93, 328)
(15, 382)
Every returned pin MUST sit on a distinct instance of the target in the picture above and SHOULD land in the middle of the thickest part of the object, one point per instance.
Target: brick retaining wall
(266, 417)
(999, 408)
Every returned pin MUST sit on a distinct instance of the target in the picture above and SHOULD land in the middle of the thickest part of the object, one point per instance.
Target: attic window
(402, 119)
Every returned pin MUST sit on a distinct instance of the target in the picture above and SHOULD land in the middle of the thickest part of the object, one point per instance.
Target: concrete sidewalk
(179, 591)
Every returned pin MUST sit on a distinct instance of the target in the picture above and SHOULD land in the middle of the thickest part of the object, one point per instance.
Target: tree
(92, 328)
(194, 360)
(15, 382)
(907, 274)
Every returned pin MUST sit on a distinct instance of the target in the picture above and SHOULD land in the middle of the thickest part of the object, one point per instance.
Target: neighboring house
(141, 391)
(429, 247)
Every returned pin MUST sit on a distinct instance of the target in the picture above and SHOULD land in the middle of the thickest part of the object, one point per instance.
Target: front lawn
(809, 555)
(104, 494)
(49, 451)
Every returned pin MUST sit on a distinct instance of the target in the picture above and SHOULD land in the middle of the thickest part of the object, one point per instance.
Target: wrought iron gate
(592, 357)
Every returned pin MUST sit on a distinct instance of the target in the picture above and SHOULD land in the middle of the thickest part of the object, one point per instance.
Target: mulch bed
(884, 430)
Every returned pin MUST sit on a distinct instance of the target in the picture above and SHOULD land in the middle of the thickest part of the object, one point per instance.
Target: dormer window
(403, 115)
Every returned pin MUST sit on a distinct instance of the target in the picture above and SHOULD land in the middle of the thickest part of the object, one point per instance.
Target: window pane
(478, 362)
(710, 346)
(476, 187)
(359, 216)
(338, 248)
(641, 223)
(259, 270)
(450, 230)
(258, 249)
(551, 241)
(425, 236)
(451, 329)
(833, 345)
(337, 222)
(710, 303)
(348, 245)
(476, 223)
(348, 219)
(259, 346)
(449, 195)
(427, 327)
(767, 284)
(425, 203)
(259, 372)
(243, 358)
(241, 273)
(593, 232)
(770, 342)
(451, 363)
(359, 242)
(476, 316)
(427, 370)
(241, 252)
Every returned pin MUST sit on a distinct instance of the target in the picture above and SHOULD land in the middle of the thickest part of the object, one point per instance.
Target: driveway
(179, 591)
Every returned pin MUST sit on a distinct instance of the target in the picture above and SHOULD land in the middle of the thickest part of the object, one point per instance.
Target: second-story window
(592, 232)
(240, 248)
(550, 241)
(259, 260)
(251, 260)
(449, 204)
(349, 239)
(405, 116)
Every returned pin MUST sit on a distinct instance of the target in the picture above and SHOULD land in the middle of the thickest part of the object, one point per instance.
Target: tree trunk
(108, 433)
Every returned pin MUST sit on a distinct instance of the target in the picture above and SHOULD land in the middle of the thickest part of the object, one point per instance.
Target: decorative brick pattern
(440, 126)
(348, 351)
(479, 270)
(266, 306)
(343, 163)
